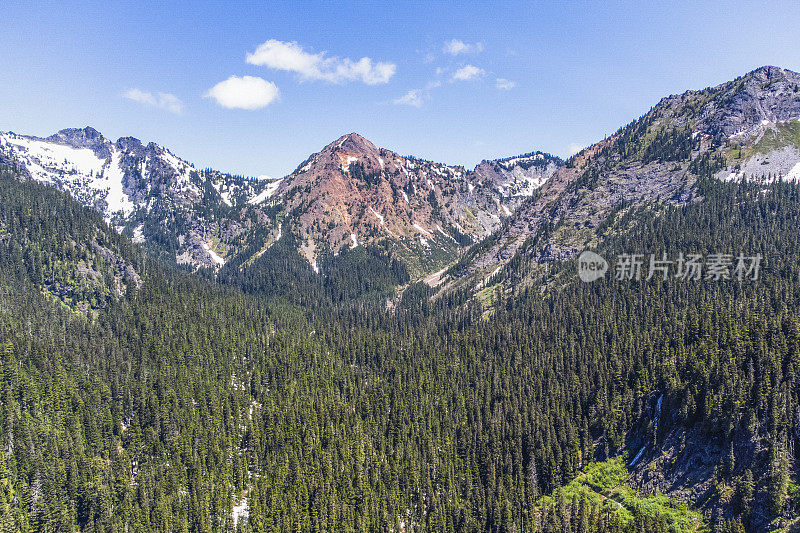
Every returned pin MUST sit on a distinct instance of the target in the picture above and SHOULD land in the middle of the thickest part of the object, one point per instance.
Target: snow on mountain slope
(144, 191)
(118, 178)
(48, 160)
(88, 177)
(267, 193)
(518, 177)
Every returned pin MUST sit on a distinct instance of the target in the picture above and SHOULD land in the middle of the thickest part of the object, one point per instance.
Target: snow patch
(181, 167)
(514, 161)
(224, 194)
(495, 271)
(421, 229)
(440, 230)
(267, 193)
(116, 199)
(50, 158)
(378, 215)
(215, 258)
(794, 173)
(138, 234)
(240, 512)
(79, 171)
(346, 165)
(405, 196)
(280, 234)
(354, 240)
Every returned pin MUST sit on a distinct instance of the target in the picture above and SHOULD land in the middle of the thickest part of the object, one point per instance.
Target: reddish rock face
(353, 193)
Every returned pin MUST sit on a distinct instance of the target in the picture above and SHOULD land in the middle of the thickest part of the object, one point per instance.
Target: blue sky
(448, 81)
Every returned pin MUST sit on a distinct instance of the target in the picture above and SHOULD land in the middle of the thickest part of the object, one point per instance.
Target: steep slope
(352, 193)
(705, 433)
(67, 251)
(748, 128)
(518, 177)
(145, 191)
(598, 500)
(119, 178)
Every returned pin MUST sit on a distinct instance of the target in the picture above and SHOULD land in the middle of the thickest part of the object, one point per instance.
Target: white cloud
(504, 84)
(574, 148)
(457, 46)
(247, 92)
(166, 101)
(468, 72)
(170, 102)
(412, 98)
(138, 95)
(291, 57)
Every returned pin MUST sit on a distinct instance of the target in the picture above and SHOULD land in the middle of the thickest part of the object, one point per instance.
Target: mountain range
(380, 342)
(348, 194)
(426, 214)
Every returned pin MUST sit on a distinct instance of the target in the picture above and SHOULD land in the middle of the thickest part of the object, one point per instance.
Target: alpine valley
(377, 342)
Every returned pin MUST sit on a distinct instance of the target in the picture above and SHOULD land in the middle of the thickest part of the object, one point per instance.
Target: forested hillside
(181, 405)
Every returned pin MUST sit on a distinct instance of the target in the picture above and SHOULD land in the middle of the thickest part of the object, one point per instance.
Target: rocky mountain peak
(352, 142)
(87, 137)
(770, 72)
(518, 176)
(348, 194)
(78, 136)
(742, 108)
(765, 95)
(130, 145)
(745, 128)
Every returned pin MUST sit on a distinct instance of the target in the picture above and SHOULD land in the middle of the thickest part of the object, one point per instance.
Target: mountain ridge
(746, 128)
(348, 194)
(428, 214)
